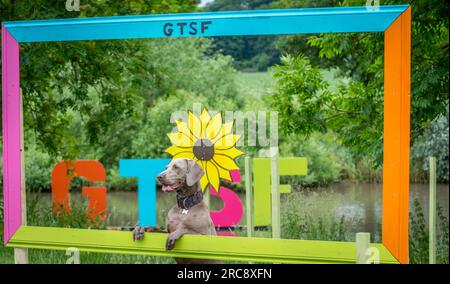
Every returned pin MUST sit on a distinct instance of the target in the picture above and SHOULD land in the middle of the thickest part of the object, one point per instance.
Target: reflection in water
(354, 201)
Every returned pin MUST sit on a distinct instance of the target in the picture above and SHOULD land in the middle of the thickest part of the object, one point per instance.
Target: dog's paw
(138, 233)
(170, 243)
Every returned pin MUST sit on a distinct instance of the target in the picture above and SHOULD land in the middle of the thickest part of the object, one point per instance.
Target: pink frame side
(11, 134)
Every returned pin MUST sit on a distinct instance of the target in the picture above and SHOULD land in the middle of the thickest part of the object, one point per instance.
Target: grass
(316, 219)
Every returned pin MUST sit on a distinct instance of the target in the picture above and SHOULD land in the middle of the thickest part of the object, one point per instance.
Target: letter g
(168, 29)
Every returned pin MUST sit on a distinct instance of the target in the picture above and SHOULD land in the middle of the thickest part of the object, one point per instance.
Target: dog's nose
(160, 176)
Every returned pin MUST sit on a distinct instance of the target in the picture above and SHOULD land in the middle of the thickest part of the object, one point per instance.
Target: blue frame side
(260, 22)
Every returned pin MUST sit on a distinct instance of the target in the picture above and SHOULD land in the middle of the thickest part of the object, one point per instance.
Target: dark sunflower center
(204, 149)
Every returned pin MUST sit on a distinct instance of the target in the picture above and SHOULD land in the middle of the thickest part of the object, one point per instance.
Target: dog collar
(187, 202)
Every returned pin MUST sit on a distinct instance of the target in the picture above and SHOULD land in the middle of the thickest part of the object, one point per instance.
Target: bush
(312, 222)
(38, 168)
(328, 161)
(433, 143)
(39, 213)
(419, 236)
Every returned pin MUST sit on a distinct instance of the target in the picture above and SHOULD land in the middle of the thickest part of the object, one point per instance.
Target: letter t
(145, 170)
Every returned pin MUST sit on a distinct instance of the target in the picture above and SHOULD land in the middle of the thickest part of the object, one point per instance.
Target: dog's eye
(175, 167)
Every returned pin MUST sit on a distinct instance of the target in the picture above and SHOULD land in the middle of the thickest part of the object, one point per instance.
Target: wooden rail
(263, 250)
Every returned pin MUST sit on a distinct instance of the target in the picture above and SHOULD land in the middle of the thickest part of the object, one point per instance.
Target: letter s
(193, 27)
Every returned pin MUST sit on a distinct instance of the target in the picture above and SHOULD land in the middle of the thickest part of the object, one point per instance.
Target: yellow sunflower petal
(232, 152)
(180, 140)
(186, 154)
(204, 182)
(204, 119)
(226, 141)
(173, 150)
(183, 128)
(213, 175)
(225, 162)
(213, 127)
(195, 125)
(223, 173)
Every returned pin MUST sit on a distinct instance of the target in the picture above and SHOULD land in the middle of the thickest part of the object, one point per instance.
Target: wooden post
(275, 188)
(362, 244)
(21, 254)
(396, 138)
(249, 196)
(432, 213)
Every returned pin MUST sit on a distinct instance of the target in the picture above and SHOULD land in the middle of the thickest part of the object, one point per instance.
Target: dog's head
(180, 173)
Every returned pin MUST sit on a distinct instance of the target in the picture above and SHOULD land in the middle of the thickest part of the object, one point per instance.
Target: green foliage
(38, 167)
(184, 72)
(258, 53)
(151, 140)
(307, 104)
(282, 4)
(418, 248)
(434, 142)
(442, 240)
(419, 236)
(299, 96)
(308, 222)
(307, 228)
(40, 214)
(328, 161)
(250, 53)
(189, 74)
(354, 112)
(75, 67)
(236, 5)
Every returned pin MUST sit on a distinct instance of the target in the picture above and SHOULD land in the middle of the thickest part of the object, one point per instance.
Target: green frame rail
(193, 246)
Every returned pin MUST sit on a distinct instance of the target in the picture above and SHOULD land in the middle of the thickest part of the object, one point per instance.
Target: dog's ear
(194, 173)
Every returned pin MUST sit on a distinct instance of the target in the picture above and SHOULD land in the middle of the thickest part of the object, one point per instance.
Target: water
(354, 201)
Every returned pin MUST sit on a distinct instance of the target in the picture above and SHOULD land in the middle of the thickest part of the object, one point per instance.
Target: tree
(255, 53)
(57, 77)
(354, 110)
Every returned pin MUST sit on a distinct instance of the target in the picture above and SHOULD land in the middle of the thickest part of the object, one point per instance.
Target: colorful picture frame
(394, 21)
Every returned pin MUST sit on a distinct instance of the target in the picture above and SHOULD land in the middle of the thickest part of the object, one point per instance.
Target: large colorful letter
(93, 171)
(145, 170)
(231, 212)
(261, 183)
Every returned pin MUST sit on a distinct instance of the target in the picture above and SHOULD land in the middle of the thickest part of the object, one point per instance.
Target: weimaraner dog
(190, 215)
